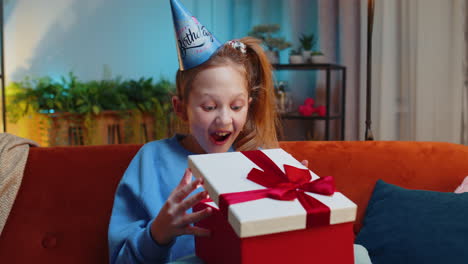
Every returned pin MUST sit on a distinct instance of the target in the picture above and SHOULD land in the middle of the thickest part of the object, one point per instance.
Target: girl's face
(217, 107)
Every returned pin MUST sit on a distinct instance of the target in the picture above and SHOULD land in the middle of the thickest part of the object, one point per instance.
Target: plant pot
(318, 59)
(296, 59)
(306, 54)
(273, 56)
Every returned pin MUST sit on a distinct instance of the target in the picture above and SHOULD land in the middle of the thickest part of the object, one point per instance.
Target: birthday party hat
(195, 43)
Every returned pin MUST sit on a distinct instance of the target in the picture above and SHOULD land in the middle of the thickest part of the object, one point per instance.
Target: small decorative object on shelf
(283, 98)
(295, 56)
(274, 44)
(308, 108)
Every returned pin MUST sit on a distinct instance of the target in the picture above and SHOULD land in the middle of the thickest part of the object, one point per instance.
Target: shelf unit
(328, 68)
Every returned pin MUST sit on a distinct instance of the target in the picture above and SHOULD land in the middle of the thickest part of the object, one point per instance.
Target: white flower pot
(306, 54)
(272, 56)
(296, 59)
(318, 59)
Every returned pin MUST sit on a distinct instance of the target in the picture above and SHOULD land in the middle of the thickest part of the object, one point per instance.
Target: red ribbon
(284, 186)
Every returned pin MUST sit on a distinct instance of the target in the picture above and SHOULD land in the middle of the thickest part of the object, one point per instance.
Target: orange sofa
(62, 209)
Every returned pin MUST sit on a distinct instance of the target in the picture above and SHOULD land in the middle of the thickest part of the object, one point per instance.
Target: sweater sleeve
(129, 234)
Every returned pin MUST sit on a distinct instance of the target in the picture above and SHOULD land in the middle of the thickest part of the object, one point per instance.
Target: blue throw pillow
(415, 226)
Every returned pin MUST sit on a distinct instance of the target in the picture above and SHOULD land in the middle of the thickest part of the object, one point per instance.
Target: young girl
(226, 97)
(225, 94)
(228, 103)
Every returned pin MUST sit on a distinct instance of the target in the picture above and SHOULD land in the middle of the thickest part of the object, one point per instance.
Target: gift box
(269, 208)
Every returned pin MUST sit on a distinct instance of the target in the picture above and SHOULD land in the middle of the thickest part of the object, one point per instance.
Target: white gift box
(227, 173)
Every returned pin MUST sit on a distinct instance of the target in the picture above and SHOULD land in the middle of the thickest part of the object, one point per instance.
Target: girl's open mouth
(220, 137)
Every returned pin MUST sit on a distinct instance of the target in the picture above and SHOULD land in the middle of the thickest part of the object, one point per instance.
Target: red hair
(260, 129)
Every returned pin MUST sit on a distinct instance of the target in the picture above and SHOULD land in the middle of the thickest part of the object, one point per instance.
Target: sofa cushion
(62, 210)
(463, 186)
(415, 226)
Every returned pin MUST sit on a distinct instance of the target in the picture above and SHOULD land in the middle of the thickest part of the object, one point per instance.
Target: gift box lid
(227, 173)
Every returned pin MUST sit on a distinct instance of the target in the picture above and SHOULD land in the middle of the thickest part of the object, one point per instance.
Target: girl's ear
(250, 100)
(179, 108)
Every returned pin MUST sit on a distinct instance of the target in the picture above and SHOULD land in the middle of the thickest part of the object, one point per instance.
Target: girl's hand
(305, 163)
(172, 220)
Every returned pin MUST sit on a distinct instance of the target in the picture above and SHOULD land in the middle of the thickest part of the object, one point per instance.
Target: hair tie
(237, 45)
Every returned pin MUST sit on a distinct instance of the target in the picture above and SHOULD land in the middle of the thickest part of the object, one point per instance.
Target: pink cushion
(463, 186)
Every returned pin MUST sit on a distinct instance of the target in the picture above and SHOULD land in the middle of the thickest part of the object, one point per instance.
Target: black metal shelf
(309, 66)
(327, 67)
(314, 117)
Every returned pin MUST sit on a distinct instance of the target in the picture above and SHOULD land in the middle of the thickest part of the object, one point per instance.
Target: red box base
(326, 244)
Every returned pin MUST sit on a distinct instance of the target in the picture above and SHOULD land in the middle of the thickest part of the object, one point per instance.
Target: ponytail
(262, 122)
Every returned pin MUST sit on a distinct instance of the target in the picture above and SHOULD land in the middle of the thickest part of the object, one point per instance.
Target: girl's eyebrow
(212, 96)
(239, 95)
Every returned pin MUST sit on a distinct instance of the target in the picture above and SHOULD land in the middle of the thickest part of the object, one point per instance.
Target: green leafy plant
(143, 94)
(98, 96)
(68, 95)
(41, 95)
(82, 101)
(267, 33)
(151, 98)
(44, 95)
(297, 51)
(307, 41)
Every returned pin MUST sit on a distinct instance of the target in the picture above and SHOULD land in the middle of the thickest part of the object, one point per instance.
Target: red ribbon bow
(284, 186)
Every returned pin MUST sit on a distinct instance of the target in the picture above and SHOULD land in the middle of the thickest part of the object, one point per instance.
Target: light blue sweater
(151, 176)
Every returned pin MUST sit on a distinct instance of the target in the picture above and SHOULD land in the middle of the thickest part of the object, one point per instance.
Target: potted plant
(295, 56)
(267, 32)
(307, 43)
(318, 57)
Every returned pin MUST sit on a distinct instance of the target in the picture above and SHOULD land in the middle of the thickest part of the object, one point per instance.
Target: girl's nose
(224, 117)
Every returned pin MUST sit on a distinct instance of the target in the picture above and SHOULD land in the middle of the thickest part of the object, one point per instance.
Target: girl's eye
(209, 108)
(236, 107)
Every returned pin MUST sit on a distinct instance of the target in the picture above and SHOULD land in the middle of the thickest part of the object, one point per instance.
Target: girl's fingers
(180, 193)
(191, 201)
(186, 179)
(305, 163)
(197, 231)
(196, 217)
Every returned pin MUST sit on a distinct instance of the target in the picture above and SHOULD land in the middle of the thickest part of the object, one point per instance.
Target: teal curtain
(229, 19)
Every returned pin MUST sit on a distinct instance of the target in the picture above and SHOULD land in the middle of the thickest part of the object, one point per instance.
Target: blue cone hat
(195, 43)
